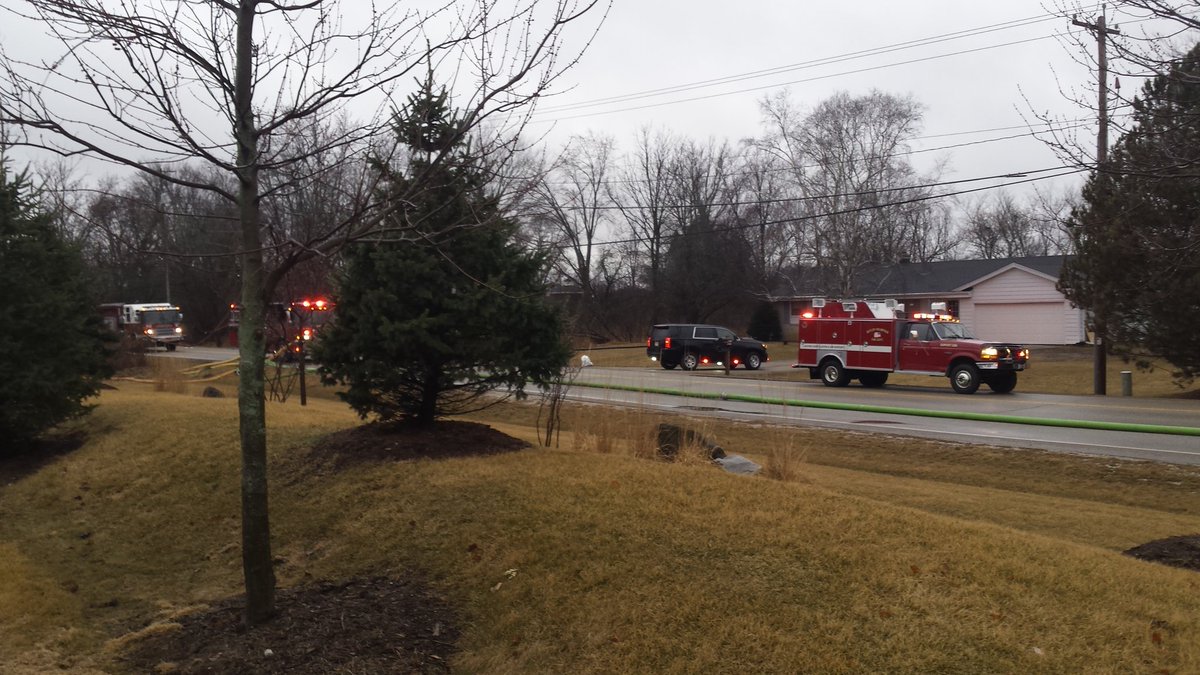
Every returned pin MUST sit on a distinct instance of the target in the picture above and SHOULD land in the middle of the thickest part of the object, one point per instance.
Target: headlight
(149, 331)
(1023, 354)
(989, 353)
(179, 330)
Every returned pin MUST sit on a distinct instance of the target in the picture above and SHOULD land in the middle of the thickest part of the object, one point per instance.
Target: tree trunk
(428, 412)
(252, 420)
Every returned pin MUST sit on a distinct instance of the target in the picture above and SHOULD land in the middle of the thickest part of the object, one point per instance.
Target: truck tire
(753, 361)
(965, 378)
(1003, 383)
(833, 374)
(170, 346)
(690, 361)
(873, 379)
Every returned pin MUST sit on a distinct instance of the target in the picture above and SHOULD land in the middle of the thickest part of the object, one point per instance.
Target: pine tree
(1137, 236)
(53, 355)
(764, 323)
(429, 324)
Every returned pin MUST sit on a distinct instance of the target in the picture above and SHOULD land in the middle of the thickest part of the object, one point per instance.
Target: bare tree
(575, 200)
(218, 81)
(767, 212)
(642, 195)
(847, 160)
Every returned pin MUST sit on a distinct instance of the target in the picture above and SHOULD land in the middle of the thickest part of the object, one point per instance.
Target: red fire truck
(840, 341)
(287, 323)
(159, 324)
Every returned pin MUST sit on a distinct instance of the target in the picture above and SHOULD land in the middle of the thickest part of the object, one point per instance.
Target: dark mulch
(358, 626)
(1175, 551)
(374, 625)
(377, 442)
(17, 462)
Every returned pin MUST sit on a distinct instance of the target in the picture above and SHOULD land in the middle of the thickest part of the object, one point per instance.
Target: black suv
(693, 345)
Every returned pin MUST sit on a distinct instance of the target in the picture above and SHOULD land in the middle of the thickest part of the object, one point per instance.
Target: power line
(799, 81)
(828, 214)
(1032, 133)
(849, 56)
(787, 200)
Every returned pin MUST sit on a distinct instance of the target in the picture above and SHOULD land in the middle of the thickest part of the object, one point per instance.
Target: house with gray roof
(1009, 299)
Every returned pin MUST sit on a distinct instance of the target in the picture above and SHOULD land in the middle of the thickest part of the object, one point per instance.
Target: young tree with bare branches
(221, 82)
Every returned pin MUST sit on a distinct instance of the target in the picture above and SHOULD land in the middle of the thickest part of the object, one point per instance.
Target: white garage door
(1027, 323)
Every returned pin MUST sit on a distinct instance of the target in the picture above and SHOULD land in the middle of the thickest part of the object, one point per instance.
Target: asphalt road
(197, 353)
(937, 397)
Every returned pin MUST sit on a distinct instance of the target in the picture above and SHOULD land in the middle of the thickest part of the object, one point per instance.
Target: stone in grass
(212, 392)
(739, 465)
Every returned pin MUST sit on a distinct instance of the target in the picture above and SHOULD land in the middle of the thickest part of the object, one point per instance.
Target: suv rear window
(659, 332)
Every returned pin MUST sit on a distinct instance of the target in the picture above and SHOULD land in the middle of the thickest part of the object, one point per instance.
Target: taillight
(666, 343)
(648, 343)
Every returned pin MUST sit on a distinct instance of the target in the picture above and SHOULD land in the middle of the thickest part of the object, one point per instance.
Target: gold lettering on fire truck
(877, 334)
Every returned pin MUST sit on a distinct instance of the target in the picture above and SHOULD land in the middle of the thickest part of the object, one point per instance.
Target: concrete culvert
(671, 437)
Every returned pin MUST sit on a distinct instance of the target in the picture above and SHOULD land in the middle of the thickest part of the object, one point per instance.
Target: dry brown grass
(784, 458)
(889, 556)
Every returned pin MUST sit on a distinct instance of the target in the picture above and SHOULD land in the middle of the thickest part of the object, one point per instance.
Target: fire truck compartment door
(916, 348)
(871, 345)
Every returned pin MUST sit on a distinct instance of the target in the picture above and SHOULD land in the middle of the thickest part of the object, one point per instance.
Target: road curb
(915, 412)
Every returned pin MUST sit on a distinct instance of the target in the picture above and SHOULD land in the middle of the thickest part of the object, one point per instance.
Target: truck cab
(940, 345)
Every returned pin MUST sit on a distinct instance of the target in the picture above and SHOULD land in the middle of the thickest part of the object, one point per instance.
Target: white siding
(1016, 285)
(1017, 306)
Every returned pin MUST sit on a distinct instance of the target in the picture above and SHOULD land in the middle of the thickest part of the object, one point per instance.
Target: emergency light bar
(935, 317)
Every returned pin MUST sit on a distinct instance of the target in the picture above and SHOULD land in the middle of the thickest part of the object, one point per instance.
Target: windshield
(157, 316)
(951, 331)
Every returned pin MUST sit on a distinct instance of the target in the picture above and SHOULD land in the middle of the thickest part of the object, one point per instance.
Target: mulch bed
(18, 462)
(1175, 551)
(377, 625)
(377, 442)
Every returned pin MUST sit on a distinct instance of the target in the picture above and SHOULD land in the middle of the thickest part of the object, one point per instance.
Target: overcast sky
(981, 69)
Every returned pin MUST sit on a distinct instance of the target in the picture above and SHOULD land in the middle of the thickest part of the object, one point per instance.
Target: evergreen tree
(1137, 236)
(428, 325)
(764, 323)
(53, 355)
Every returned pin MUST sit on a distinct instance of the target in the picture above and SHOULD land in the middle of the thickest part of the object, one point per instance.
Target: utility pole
(1099, 318)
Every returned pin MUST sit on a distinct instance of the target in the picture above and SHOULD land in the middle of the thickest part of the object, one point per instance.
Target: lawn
(868, 554)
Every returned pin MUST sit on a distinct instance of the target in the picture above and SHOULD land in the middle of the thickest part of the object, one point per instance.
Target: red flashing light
(807, 315)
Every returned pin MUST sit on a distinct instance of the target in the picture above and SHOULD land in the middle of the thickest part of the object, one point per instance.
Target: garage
(1041, 323)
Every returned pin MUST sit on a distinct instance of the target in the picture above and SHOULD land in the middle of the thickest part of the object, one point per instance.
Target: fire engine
(287, 323)
(840, 341)
(159, 324)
